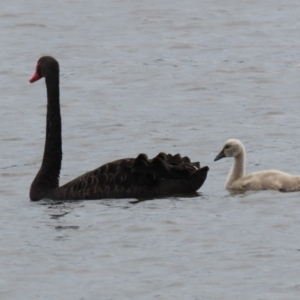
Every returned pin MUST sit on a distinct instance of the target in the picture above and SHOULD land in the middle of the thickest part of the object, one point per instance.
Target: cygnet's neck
(238, 168)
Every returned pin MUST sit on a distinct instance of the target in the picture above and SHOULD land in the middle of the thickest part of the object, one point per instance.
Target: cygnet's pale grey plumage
(264, 180)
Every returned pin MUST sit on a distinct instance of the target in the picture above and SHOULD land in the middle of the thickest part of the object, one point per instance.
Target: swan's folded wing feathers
(139, 165)
(126, 175)
(175, 159)
(163, 155)
(162, 167)
(186, 159)
(138, 171)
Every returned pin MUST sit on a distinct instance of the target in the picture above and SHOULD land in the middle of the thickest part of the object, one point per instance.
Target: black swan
(141, 178)
(263, 180)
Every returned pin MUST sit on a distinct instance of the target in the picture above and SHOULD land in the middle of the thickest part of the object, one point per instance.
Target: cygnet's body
(264, 180)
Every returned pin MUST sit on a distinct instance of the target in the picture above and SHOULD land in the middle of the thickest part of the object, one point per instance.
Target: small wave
(22, 25)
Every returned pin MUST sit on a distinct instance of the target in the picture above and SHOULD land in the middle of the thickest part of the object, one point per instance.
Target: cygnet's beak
(220, 155)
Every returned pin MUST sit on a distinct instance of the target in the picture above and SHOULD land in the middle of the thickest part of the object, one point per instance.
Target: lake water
(151, 76)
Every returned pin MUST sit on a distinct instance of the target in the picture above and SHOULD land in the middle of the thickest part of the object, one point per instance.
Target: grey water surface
(151, 76)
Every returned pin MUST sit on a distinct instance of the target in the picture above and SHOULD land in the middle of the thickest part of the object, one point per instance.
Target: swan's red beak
(35, 77)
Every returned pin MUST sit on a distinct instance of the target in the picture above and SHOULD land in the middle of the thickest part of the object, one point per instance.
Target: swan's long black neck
(47, 179)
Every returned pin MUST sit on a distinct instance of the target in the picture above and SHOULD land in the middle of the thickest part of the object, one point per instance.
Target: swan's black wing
(140, 177)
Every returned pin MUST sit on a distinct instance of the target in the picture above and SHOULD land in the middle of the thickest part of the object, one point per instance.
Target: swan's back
(140, 177)
(267, 180)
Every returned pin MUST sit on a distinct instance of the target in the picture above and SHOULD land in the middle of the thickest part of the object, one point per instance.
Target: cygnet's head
(232, 148)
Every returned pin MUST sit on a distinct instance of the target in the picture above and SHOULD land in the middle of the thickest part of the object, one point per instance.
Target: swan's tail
(199, 177)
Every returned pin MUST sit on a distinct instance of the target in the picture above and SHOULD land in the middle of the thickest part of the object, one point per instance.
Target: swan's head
(232, 148)
(45, 66)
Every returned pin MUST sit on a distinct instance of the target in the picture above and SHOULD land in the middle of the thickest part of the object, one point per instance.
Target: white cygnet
(264, 180)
